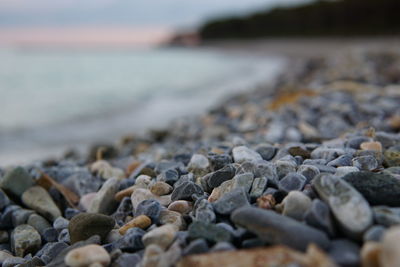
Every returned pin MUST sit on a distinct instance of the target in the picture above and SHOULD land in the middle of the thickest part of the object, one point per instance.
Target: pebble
(140, 194)
(266, 151)
(308, 171)
(90, 255)
(273, 228)
(15, 261)
(291, 182)
(390, 254)
(150, 208)
(172, 217)
(4, 200)
(319, 217)
(185, 191)
(197, 246)
(295, 204)
(160, 188)
(16, 181)
(348, 206)
(377, 188)
(243, 153)
(181, 206)
(258, 187)
(106, 171)
(386, 216)
(204, 211)
(161, 236)
(4, 237)
(38, 199)
(376, 146)
(20, 216)
(60, 223)
(370, 253)
(392, 156)
(199, 164)
(25, 239)
(5, 255)
(367, 163)
(127, 260)
(342, 161)
(131, 241)
(231, 201)
(375, 233)
(85, 225)
(345, 253)
(285, 167)
(208, 231)
(218, 177)
(342, 171)
(49, 251)
(104, 202)
(169, 176)
(141, 221)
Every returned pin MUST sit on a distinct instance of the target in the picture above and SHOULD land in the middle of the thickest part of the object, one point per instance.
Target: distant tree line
(320, 18)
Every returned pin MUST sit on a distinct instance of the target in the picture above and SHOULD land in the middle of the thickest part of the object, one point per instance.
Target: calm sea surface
(50, 100)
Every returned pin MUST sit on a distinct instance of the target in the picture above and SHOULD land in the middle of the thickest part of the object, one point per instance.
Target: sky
(37, 19)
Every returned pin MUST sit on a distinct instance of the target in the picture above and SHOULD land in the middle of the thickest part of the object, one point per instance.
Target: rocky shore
(305, 172)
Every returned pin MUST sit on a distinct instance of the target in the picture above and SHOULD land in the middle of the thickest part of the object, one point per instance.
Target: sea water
(54, 99)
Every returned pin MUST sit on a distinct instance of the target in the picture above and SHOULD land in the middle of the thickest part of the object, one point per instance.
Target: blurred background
(77, 72)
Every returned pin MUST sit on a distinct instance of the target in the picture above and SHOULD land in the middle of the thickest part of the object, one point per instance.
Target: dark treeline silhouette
(320, 18)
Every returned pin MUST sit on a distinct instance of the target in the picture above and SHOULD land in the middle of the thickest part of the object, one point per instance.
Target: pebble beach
(304, 171)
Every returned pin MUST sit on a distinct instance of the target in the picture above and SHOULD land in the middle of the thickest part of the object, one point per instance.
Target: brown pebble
(181, 206)
(127, 192)
(376, 146)
(370, 254)
(266, 202)
(161, 188)
(142, 221)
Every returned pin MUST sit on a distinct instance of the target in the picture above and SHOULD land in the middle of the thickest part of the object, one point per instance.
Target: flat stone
(141, 221)
(85, 225)
(348, 206)
(25, 239)
(243, 153)
(185, 191)
(231, 201)
(161, 236)
(208, 231)
(221, 175)
(16, 181)
(291, 182)
(90, 255)
(345, 252)
(377, 188)
(103, 201)
(38, 199)
(277, 229)
(295, 205)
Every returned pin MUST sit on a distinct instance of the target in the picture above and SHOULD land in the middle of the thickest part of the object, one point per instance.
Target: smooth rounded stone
(273, 228)
(295, 204)
(39, 223)
(172, 217)
(197, 246)
(231, 201)
(161, 188)
(169, 176)
(386, 216)
(141, 221)
(326, 153)
(16, 181)
(181, 206)
(204, 211)
(60, 223)
(38, 199)
(345, 253)
(209, 231)
(258, 187)
(86, 201)
(64, 236)
(392, 156)
(161, 236)
(284, 167)
(292, 181)
(308, 171)
(377, 188)
(20, 216)
(376, 146)
(342, 171)
(242, 153)
(222, 246)
(127, 260)
(103, 201)
(218, 177)
(25, 239)
(150, 208)
(266, 151)
(199, 164)
(4, 237)
(152, 256)
(319, 217)
(390, 254)
(140, 194)
(131, 241)
(143, 181)
(85, 225)
(348, 206)
(375, 233)
(88, 256)
(185, 191)
(367, 163)
(15, 261)
(4, 200)
(343, 160)
(50, 235)
(49, 251)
